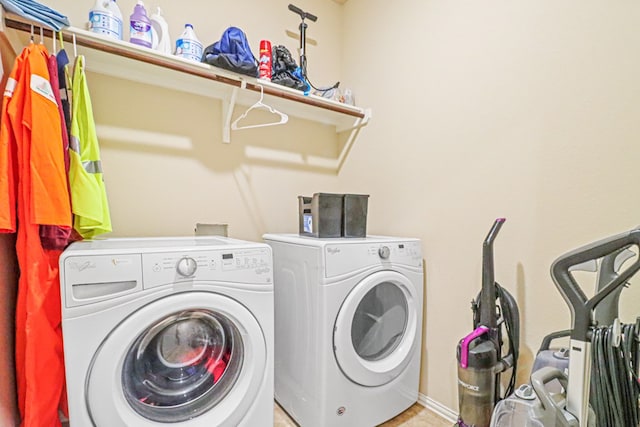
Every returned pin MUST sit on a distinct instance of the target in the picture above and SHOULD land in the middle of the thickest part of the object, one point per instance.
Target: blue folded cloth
(37, 12)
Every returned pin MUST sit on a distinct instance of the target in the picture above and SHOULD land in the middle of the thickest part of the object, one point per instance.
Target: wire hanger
(283, 117)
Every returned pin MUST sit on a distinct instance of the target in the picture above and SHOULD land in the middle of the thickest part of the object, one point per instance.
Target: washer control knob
(384, 252)
(187, 266)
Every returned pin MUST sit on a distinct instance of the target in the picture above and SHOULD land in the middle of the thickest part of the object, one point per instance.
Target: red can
(264, 67)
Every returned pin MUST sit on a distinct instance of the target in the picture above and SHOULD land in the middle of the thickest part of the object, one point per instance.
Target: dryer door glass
(377, 330)
(182, 366)
(379, 322)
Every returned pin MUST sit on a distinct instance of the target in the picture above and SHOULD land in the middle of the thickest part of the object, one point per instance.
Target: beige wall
(526, 110)
(166, 167)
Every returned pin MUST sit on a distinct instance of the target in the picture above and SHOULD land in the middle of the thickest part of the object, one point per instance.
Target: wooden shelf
(131, 62)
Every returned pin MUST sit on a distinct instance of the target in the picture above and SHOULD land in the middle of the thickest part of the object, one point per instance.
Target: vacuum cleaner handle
(488, 316)
(466, 342)
(611, 264)
(608, 271)
(553, 412)
(607, 310)
(543, 376)
(579, 304)
(546, 341)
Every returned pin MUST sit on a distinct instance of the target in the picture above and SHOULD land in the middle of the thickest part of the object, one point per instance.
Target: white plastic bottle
(188, 46)
(105, 18)
(140, 26)
(160, 31)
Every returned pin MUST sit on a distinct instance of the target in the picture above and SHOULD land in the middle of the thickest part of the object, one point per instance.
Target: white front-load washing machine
(168, 331)
(348, 316)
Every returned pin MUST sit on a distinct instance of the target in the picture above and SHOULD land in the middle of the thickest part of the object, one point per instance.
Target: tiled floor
(416, 416)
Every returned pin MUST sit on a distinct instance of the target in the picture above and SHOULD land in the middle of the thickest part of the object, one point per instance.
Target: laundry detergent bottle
(140, 26)
(160, 32)
(105, 18)
(188, 46)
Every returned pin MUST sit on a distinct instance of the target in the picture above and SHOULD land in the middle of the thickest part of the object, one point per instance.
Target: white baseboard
(438, 408)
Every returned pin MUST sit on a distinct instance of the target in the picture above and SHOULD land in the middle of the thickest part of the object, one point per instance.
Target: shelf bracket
(353, 133)
(227, 111)
(358, 123)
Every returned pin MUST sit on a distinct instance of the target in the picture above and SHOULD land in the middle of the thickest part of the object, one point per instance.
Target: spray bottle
(140, 26)
(188, 46)
(105, 18)
(264, 69)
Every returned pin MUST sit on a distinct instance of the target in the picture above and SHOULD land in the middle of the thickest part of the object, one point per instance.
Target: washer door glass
(177, 359)
(379, 322)
(377, 330)
(182, 366)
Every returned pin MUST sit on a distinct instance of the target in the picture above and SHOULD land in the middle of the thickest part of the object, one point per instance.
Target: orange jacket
(35, 158)
(8, 159)
(9, 415)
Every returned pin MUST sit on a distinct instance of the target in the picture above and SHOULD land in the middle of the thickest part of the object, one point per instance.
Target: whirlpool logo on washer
(81, 266)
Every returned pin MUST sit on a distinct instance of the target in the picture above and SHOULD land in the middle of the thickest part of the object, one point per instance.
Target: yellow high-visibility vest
(88, 193)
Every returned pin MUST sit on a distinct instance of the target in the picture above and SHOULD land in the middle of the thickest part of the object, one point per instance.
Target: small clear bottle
(348, 97)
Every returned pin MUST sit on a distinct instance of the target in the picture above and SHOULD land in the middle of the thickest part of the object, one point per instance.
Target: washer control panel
(187, 266)
(238, 265)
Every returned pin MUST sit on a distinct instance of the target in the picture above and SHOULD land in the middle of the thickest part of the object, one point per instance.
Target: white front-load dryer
(168, 331)
(348, 328)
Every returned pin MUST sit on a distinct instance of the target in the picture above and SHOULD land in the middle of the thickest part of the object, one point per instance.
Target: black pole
(303, 35)
(303, 45)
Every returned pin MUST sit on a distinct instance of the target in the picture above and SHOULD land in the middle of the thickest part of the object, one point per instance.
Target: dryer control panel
(346, 258)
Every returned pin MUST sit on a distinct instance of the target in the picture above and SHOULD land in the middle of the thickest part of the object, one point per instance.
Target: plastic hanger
(283, 117)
